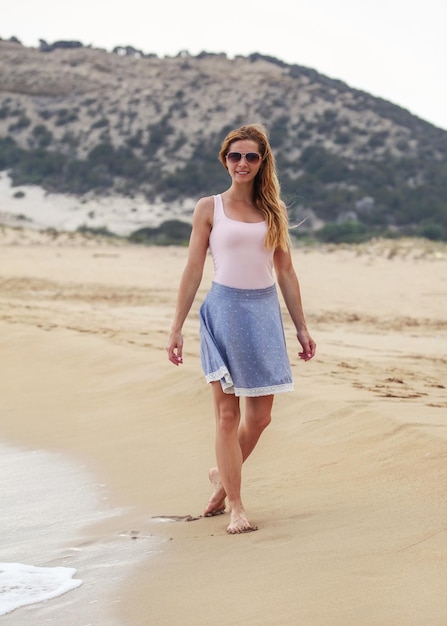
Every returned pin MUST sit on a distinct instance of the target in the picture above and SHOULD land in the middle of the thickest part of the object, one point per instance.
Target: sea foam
(21, 585)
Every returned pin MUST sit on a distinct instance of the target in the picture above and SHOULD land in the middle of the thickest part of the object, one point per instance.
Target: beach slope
(347, 485)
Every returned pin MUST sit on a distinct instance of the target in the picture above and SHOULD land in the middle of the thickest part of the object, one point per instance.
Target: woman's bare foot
(239, 524)
(216, 504)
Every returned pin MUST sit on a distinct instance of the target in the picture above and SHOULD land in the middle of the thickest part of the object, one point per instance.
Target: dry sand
(348, 484)
(32, 207)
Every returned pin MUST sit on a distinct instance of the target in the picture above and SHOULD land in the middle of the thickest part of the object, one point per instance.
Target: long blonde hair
(266, 184)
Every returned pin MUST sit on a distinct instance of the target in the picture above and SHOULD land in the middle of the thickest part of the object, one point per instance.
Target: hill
(83, 121)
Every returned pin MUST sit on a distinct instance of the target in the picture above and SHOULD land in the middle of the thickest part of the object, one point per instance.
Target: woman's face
(243, 160)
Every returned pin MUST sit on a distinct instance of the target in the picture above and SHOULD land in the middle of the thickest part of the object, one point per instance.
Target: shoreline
(52, 510)
(347, 487)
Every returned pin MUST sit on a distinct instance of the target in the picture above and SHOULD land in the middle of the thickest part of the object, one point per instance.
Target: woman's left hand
(308, 344)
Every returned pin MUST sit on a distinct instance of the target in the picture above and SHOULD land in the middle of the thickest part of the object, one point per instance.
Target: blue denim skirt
(242, 342)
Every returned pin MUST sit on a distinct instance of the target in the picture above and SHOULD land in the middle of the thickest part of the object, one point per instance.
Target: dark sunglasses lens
(234, 157)
(252, 157)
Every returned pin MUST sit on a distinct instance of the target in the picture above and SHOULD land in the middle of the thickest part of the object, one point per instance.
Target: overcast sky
(395, 49)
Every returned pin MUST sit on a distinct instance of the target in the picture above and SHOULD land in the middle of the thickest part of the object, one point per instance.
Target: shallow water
(54, 515)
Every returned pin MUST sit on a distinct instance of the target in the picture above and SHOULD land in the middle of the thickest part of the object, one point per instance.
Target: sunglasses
(250, 157)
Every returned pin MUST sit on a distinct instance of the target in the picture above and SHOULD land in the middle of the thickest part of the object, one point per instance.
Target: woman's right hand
(175, 348)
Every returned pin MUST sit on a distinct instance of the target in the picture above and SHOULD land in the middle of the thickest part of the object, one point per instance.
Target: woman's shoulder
(205, 203)
(204, 209)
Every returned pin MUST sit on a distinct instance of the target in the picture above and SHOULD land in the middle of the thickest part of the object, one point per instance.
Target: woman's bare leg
(229, 456)
(235, 440)
(258, 415)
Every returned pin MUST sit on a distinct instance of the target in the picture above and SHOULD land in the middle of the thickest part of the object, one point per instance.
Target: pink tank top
(240, 257)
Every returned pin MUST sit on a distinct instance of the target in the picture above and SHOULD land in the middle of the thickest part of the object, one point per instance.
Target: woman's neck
(240, 193)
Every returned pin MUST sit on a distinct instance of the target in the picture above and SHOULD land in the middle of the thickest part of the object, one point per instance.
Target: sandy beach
(347, 486)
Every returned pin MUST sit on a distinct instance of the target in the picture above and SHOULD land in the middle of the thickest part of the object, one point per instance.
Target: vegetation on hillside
(355, 165)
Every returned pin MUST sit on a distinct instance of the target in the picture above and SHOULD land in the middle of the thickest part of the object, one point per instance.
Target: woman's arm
(290, 289)
(191, 276)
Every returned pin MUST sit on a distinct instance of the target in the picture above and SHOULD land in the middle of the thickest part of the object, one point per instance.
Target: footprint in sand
(175, 518)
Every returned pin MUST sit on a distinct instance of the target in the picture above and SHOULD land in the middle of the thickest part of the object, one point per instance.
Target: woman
(241, 334)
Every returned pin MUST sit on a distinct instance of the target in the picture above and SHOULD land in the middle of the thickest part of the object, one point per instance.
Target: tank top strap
(218, 208)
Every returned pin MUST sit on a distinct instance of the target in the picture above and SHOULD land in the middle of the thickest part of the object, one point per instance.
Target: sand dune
(347, 486)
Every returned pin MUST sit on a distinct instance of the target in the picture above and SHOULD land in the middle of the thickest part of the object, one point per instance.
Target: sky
(394, 49)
